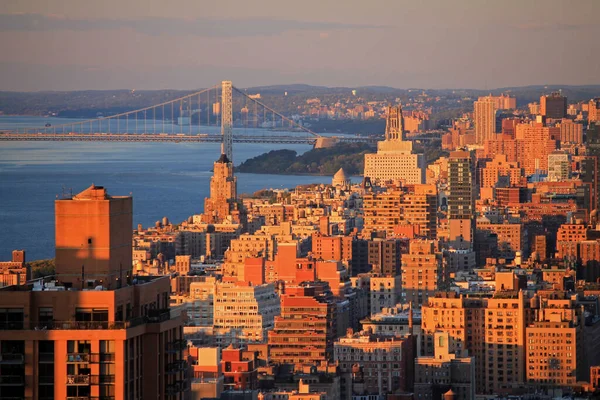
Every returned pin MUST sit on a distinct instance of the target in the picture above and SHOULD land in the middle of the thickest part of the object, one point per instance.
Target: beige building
(244, 313)
(555, 348)
(571, 132)
(445, 370)
(391, 210)
(491, 329)
(385, 292)
(395, 160)
(559, 166)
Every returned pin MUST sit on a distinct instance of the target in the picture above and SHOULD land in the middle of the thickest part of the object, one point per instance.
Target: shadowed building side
(93, 238)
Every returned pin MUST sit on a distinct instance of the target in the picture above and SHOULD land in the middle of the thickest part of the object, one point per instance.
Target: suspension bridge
(203, 116)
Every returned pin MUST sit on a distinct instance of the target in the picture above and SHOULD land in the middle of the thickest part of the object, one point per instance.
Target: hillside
(317, 161)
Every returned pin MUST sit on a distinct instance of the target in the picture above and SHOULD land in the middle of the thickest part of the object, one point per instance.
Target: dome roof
(340, 178)
(340, 175)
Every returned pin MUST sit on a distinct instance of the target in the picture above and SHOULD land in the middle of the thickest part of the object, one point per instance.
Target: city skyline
(67, 45)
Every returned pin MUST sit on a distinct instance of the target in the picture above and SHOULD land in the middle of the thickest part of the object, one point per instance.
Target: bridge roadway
(163, 137)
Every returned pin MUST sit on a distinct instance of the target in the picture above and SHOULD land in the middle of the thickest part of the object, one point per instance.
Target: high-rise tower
(395, 160)
(227, 120)
(394, 126)
(485, 119)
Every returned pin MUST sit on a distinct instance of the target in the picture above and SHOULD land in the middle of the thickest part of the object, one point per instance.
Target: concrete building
(485, 119)
(379, 364)
(16, 271)
(385, 256)
(395, 211)
(395, 160)
(96, 330)
(594, 110)
(500, 172)
(386, 292)
(559, 166)
(445, 370)
(305, 330)
(422, 272)
(461, 195)
(571, 131)
(491, 329)
(244, 313)
(222, 205)
(534, 143)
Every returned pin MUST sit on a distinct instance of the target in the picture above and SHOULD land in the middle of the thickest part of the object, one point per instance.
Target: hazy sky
(188, 44)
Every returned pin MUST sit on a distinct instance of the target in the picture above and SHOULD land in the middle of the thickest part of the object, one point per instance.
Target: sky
(189, 44)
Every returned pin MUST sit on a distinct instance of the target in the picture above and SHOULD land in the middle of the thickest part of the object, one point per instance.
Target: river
(165, 179)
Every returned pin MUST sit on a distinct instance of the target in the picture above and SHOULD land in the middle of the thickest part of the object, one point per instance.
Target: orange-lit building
(446, 370)
(555, 350)
(93, 330)
(16, 271)
(305, 330)
(571, 132)
(222, 204)
(422, 272)
(500, 169)
(491, 329)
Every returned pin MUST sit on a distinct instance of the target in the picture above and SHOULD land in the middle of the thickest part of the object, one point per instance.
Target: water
(165, 179)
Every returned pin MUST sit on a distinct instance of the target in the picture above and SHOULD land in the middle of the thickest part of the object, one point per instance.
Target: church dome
(340, 178)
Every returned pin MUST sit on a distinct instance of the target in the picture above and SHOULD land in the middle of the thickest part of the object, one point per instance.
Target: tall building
(445, 370)
(571, 132)
(559, 166)
(415, 205)
(222, 204)
(422, 272)
(378, 364)
(395, 160)
(461, 196)
(385, 292)
(534, 143)
(305, 330)
(555, 347)
(485, 119)
(553, 105)
(594, 110)
(243, 313)
(92, 330)
(87, 244)
(490, 329)
(500, 172)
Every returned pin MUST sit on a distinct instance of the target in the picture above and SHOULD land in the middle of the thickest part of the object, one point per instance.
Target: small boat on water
(48, 124)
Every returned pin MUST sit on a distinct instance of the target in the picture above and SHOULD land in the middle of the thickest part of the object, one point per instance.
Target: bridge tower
(227, 120)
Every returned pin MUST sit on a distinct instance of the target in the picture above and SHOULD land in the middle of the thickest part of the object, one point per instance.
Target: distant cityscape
(474, 276)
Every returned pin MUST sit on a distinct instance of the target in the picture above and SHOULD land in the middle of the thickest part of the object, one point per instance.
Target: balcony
(78, 379)
(177, 366)
(12, 380)
(79, 358)
(158, 316)
(12, 359)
